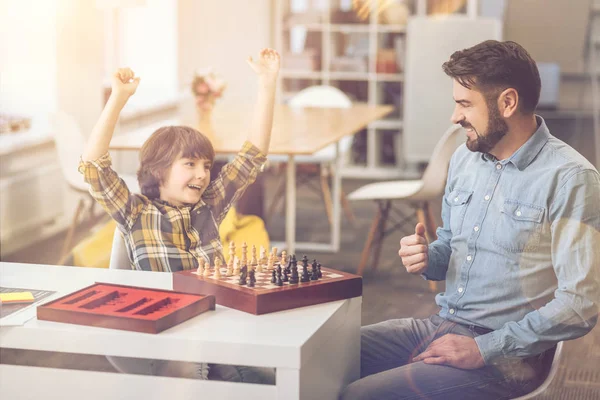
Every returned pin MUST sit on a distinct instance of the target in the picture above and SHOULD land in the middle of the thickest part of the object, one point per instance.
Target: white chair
(417, 193)
(322, 160)
(118, 253)
(553, 361)
(69, 146)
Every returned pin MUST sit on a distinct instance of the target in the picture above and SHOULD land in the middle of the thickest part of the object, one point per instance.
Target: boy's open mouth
(196, 187)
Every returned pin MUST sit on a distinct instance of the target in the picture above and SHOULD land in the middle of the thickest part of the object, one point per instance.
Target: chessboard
(262, 285)
(125, 307)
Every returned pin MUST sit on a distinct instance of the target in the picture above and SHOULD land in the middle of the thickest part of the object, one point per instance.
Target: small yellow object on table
(17, 297)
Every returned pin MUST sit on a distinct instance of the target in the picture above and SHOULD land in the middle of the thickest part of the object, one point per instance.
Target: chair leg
(429, 221)
(69, 238)
(326, 194)
(381, 234)
(348, 209)
(422, 212)
(364, 257)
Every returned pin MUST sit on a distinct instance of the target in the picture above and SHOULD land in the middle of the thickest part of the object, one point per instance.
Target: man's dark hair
(493, 66)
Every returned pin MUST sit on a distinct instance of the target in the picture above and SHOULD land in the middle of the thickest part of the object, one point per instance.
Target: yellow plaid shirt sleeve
(233, 180)
(111, 192)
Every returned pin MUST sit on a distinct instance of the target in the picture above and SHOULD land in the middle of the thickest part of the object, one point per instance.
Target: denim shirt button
(452, 311)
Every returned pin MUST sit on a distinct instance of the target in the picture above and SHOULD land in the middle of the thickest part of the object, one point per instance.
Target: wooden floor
(388, 292)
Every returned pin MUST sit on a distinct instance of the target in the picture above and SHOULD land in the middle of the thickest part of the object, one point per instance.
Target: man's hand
(454, 350)
(124, 82)
(413, 251)
(267, 65)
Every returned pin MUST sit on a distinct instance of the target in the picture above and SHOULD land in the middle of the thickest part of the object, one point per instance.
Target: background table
(296, 131)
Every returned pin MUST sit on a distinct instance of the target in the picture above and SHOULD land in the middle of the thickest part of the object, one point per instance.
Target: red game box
(128, 308)
(265, 297)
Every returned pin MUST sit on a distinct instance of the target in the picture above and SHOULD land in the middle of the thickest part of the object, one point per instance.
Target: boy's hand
(267, 65)
(124, 82)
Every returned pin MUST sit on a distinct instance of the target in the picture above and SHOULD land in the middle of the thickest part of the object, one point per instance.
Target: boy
(174, 221)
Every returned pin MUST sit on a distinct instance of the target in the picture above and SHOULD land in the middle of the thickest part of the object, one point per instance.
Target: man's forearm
(99, 140)
(262, 120)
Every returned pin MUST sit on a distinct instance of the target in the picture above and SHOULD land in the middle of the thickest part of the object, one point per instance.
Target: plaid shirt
(160, 236)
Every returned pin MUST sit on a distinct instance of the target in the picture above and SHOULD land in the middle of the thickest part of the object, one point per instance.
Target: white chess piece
(206, 270)
(200, 269)
(217, 274)
(236, 266)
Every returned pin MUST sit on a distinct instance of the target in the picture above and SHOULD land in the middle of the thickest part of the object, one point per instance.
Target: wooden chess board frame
(70, 308)
(259, 300)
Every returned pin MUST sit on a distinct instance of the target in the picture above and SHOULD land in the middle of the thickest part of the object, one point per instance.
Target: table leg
(290, 208)
(337, 200)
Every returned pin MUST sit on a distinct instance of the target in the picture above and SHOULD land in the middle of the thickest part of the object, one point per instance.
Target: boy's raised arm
(267, 68)
(124, 84)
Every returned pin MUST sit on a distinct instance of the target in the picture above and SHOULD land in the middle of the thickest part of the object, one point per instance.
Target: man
(519, 248)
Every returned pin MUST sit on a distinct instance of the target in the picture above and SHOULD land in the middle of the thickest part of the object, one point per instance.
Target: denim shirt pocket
(519, 227)
(458, 201)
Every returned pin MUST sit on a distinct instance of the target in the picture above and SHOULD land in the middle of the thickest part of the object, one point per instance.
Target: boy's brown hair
(163, 148)
(493, 66)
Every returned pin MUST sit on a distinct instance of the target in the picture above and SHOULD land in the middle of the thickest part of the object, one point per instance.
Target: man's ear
(508, 102)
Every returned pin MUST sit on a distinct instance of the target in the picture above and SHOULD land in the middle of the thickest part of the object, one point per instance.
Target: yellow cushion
(241, 228)
(94, 251)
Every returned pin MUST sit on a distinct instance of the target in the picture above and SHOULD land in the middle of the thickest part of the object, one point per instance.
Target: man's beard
(496, 130)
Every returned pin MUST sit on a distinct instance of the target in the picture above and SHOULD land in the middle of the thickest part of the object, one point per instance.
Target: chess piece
(254, 259)
(314, 273)
(274, 252)
(217, 274)
(305, 277)
(285, 275)
(231, 257)
(294, 278)
(244, 275)
(279, 282)
(274, 276)
(201, 263)
(252, 278)
(262, 259)
(206, 270)
(236, 266)
(270, 262)
(283, 257)
(305, 260)
(244, 254)
(319, 269)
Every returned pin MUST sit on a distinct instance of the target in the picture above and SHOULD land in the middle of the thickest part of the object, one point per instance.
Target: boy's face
(483, 123)
(186, 181)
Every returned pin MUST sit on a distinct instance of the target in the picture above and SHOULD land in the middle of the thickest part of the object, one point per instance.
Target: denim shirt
(520, 246)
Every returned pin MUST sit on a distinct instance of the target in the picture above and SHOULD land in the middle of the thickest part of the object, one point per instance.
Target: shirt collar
(530, 149)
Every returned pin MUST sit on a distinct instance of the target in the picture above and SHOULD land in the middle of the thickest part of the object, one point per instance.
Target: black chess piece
(252, 278)
(314, 272)
(305, 260)
(285, 275)
(279, 282)
(243, 276)
(319, 269)
(294, 278)
(305, 277)
(274, 277)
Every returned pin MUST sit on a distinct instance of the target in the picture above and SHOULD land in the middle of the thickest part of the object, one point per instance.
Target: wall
(223, 34)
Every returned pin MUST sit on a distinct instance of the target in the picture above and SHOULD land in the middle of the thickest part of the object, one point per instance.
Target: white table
(315, 350)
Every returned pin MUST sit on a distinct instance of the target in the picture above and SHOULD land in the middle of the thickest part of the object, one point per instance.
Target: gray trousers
(387, 349)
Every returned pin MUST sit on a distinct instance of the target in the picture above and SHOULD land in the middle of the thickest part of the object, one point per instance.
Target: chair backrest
(325, 97)
(552, 369)
(69, 145)
(434, 177)
(427, 90)
(118, 253)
